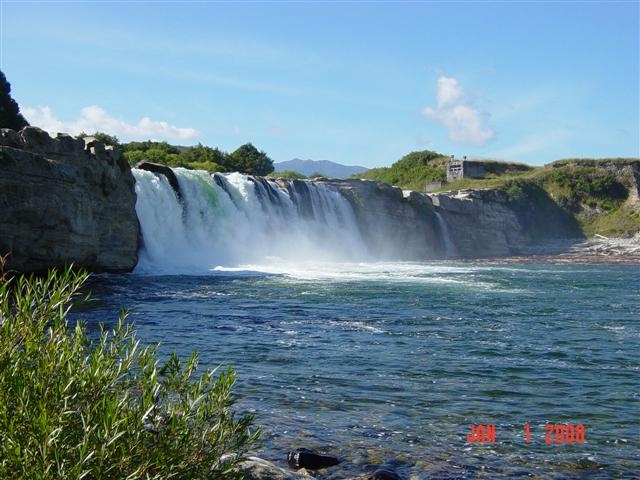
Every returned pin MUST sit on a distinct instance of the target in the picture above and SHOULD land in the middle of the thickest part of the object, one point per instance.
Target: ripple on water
(379, 362)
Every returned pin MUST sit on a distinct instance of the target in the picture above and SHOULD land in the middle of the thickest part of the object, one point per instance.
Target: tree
(249, 159)
(204, 158)
(10, 116)
(156, 152)
(102, 137)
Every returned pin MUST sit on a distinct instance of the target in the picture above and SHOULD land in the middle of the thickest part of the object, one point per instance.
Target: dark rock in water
(305, 458)
(273, 194)
(163, 170)
(384, 474)
(222, 182)
(301, 197)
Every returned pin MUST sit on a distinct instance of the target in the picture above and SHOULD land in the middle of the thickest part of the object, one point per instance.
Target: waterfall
(232, 219)
(449, 247)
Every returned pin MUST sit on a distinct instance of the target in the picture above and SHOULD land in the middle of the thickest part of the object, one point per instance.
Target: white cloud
(94, 118)
(449, 92)
(466, 124)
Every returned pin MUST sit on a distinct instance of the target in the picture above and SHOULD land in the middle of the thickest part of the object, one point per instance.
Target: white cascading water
(233, 219)
(449, 247)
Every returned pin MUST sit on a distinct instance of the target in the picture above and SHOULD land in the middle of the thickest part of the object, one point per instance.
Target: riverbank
(596, 250)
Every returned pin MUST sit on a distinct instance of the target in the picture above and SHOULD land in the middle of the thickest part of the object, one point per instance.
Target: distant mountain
(326, 167)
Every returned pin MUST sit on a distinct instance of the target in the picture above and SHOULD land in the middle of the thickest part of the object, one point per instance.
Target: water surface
(393, 362)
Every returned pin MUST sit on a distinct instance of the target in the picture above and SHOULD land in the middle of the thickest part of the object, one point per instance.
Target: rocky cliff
(467, 224)
(487, 223)
(394, 224)
(64, 201)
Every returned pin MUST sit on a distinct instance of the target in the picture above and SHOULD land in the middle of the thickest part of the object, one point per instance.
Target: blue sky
(359, 83)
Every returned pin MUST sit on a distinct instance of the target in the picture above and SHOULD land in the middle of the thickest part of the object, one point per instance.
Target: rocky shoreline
(255, 468)
(595, 250)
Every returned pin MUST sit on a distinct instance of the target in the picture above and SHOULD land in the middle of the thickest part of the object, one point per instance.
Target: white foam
(242, 221)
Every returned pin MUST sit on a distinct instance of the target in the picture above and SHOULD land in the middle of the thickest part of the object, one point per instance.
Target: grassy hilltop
(601, 194)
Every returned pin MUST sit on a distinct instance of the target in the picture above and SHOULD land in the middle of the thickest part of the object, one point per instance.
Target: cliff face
(394, 224)
(487, 223)
(65, 201)
(468, 224)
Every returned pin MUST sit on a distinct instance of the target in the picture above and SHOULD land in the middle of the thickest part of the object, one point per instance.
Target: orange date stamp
(555, 433)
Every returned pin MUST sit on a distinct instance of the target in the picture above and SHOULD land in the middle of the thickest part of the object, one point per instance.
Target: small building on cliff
(463, 169)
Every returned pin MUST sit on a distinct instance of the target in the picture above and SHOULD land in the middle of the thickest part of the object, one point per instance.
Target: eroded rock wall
(487, 223)
(459, 224)
(64, 201)
(394, 224)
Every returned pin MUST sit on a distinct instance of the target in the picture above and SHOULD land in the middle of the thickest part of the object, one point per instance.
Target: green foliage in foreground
(74, 408)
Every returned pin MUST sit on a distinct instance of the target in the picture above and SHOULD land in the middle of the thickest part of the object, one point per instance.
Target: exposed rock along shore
(255, 468)
(64, 201)
(594, 250)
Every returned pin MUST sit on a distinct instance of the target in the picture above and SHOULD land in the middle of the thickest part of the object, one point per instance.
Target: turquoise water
(393, 362)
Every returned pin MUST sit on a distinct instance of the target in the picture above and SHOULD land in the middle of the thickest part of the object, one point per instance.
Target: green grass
(592, 162)
(618, 222)
(73, 408)
(491, 181)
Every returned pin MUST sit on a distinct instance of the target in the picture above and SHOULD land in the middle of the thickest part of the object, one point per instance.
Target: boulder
(255, 468)
(384, 474)
(305, 458)
(64, 202)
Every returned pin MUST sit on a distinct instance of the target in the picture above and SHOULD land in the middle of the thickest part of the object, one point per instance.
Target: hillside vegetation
(601, 194)
(411, 172)
(245, 159)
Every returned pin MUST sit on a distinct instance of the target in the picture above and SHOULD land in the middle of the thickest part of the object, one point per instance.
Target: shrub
(413, 171)
(72, 407)
(102, 137)
(288, 175)
(515, 192)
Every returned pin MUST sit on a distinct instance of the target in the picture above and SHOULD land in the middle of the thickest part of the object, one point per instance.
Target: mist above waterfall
(233, 219)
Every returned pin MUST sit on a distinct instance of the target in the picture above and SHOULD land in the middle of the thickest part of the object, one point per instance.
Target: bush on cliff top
(245, 159)
(288, 175)
(75, 408)
(413, 171)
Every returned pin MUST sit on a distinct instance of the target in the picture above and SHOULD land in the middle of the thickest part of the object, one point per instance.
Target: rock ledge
(65, 201)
